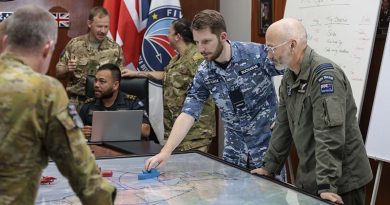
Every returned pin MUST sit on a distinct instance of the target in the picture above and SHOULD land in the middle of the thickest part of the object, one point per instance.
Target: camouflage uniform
(318, 113)
(122, 102)
(89, 60)
(178, 75)
(246, 97)
(36, 124)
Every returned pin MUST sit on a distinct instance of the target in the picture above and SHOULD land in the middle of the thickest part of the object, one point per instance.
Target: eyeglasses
(273, 48)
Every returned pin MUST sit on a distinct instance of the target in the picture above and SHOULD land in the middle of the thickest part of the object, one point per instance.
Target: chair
(133, 86)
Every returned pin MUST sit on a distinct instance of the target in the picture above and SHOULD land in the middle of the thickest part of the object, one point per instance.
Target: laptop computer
(116, 126)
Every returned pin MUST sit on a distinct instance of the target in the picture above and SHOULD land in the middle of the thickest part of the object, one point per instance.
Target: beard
(104, 95)
(283, 62)
(216, 53)
(280, 66)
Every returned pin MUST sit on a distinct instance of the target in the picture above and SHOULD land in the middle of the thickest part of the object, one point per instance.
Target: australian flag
(4, 15)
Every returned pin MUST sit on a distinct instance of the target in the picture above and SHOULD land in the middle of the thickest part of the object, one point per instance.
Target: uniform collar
(305, 70)
(234, 52)
(120, 100)
(190, 49)
(103, 45)
(8, 56)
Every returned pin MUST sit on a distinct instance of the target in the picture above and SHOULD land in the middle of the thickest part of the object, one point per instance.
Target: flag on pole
(156, 54)
(128, 19)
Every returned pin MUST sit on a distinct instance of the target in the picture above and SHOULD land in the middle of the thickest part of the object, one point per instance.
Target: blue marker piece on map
(148, 174)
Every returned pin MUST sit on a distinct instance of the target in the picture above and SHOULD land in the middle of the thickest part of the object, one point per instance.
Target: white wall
(237, 14)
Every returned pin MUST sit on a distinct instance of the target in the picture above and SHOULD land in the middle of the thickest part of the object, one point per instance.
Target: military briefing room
(194, 102)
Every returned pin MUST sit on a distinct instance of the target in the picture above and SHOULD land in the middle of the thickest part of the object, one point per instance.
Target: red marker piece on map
(47, 179)
(106, 173)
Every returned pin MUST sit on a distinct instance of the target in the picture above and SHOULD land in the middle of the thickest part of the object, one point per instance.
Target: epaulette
(130, 97)
(89, 100)
(197, 56)
(322, 67)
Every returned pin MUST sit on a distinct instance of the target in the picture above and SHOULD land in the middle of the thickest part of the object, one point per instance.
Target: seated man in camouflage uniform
(108, 97)
(84, 54)
(36, 121)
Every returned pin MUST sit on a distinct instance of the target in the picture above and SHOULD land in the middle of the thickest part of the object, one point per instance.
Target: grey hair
(30, 27)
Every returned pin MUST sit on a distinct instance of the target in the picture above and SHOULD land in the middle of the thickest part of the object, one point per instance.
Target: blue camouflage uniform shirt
(246, 97)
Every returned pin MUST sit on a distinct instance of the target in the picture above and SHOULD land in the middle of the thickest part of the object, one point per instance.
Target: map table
(187, 178)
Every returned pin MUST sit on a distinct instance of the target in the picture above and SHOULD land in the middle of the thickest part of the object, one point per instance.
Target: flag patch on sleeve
(327, 88)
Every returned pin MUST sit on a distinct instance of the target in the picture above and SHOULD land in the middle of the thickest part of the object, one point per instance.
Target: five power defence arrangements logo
(156, 52)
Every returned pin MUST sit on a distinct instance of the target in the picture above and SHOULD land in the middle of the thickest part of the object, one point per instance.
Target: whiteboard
(341, 30)
(378, 134)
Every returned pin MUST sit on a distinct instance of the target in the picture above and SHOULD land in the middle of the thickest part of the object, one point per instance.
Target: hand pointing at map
(180, 128)
(157, 161)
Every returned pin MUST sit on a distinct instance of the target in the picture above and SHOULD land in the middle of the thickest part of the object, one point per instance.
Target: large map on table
(189, 178)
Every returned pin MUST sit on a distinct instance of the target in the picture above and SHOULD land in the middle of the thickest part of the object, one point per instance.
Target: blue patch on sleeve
(326, 78)
(327, 88)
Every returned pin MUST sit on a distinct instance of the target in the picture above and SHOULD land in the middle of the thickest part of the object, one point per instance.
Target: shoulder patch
(325, 77)
(89, 100)
(322, 67)
(75, 116)
(130, 97)
(326, 88)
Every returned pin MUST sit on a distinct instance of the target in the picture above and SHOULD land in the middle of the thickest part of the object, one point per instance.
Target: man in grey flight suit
(318, 113)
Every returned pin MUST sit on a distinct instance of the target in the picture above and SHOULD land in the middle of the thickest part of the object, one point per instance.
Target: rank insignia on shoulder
(131, 97)
(325, 77)
(89, 100)
(327, 88)
(322, 67)
(75, 116)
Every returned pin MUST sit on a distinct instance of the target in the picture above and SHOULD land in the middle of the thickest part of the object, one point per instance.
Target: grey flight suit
(317, 112)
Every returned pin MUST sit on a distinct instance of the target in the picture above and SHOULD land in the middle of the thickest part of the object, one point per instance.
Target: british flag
(128, 20)
(4, 15)
(62, 19)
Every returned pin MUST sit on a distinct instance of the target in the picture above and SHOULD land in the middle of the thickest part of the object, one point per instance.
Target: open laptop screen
(122, 125)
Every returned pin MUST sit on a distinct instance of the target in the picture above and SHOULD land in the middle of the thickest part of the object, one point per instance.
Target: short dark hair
(114, 69)
(97, 11)
(183, 27)
(209, 19)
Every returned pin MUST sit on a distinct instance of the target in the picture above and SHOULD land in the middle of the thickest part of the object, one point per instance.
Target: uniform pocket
(333, 112)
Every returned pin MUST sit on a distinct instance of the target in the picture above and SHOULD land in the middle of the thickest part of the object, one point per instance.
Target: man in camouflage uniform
(176, 78)
(318, 113)
(84, 54)
(36, 121)
(108, 97)
(239, 79)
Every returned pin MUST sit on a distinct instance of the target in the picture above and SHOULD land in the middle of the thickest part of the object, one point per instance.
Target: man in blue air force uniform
(239, 79)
